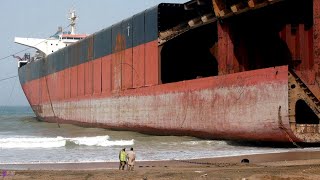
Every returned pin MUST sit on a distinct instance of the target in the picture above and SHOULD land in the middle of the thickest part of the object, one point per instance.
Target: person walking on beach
(131, 159)
(122, 158)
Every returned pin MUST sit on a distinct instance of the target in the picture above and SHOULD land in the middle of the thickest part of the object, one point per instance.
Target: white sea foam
(32, 142)
(195, 143)
(100, 141)
(36, 142)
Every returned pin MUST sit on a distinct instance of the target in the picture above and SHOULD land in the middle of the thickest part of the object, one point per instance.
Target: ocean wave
(36, 142)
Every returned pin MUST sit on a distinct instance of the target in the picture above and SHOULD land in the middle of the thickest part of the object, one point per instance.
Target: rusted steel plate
(67, 83)
(106, 74)
(152, 63)
(139, 66)
(82, 74)
(316, 33)
(225, 9)
(97, 76)
(127, 69)
(74, 82)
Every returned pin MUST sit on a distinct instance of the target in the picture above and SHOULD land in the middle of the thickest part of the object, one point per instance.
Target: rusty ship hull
(208, 78)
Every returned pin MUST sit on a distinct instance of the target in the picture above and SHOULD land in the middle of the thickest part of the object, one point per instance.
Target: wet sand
(290, 165)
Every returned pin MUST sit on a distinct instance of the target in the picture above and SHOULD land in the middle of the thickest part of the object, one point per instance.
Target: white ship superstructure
(57, 41)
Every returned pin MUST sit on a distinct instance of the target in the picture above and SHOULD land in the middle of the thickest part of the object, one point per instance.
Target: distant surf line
(29, 142)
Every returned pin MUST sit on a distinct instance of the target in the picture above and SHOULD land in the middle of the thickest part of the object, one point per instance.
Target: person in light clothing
(131, 155)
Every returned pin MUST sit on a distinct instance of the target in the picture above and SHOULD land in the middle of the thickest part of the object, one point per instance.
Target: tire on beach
(245, 161)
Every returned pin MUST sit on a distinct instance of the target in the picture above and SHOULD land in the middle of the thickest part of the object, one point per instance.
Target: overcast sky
(41, 18)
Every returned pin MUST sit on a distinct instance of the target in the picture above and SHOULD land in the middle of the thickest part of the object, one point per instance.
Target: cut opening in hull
(188, 56)
(304, 114)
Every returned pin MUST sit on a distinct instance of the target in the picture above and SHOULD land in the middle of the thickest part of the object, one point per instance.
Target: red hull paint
(236, 106)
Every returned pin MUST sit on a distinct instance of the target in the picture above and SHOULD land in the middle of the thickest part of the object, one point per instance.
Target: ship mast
(73, 19)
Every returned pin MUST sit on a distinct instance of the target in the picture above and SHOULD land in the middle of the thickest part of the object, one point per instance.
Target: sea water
(24, 139)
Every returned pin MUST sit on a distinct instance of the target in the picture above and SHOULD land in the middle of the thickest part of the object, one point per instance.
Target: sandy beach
(290, 165)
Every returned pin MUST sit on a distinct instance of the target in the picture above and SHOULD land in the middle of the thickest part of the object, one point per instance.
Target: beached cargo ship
(240, 69)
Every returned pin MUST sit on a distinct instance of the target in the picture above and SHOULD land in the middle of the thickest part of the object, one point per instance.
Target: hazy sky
(41, 18)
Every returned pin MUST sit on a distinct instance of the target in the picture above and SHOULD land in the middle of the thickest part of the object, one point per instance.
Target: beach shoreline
(292, 165)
